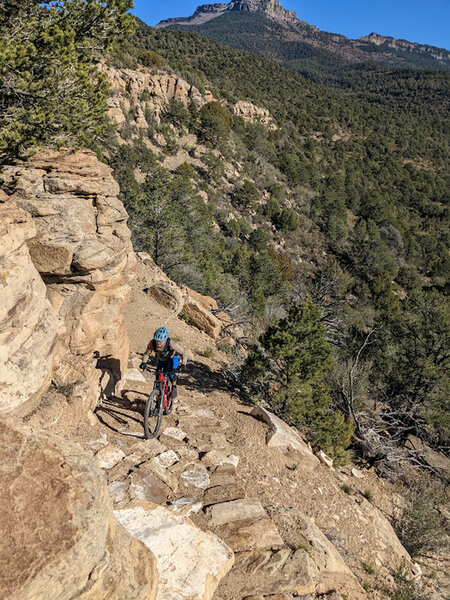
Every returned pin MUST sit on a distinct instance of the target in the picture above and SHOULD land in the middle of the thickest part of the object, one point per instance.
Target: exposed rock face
(83, 252)
(146, 93)
(396, 44)
(191, 562)
(28, 325)
(270, 8)
(255, 114)
(60, 539)
(315, 567)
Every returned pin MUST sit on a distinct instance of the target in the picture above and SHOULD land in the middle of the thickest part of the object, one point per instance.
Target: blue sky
(421, 21)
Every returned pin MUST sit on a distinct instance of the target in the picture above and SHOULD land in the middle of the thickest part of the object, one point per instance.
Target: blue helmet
(161, 334)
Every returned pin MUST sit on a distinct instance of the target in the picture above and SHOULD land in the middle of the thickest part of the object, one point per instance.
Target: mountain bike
(158, 403)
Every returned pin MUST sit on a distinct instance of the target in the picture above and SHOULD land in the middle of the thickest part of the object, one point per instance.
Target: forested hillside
(341, 200)
(422, 87)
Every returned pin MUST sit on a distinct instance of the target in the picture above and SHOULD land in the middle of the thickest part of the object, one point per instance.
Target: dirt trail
(212, 416)
(210, 425)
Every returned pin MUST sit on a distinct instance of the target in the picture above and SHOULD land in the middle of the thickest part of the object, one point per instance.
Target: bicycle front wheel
(153, 414)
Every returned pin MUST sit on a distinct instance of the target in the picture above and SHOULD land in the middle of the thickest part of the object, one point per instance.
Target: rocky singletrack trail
(292, 529)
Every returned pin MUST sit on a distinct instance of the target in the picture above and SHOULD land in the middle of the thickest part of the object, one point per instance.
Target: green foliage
(246, 196)
(346, 489)
(413, 358)
(177, 114)
(287, 220)
(215, 122)
(271, 209)
(407, 589)
(368, 567)
(150, 59)
(368, 495)
(259, 238)
(51, 91)
(287, 368)
(185, 170)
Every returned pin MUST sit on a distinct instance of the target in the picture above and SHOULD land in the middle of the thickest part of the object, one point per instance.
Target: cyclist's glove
(143, 366)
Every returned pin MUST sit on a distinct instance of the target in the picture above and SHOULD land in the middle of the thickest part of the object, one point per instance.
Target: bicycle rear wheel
(153, 414)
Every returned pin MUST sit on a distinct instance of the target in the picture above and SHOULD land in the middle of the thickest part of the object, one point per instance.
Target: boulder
(60, 539)
(244, 525)
(314, 567)
(190, 562)
(185, 506)
(285, 439)
(167, 294)
(174, 433)
(196, 477)
(221, 493)
(198, 316)
(206, 301)
(147, 486)
(166, 459)
(109, 456)
(325, 459)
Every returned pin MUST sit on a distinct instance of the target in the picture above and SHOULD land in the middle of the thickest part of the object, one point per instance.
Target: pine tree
(287, 369)
(51, 91)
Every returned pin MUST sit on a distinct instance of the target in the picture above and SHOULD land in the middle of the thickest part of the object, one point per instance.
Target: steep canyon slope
(212, 459)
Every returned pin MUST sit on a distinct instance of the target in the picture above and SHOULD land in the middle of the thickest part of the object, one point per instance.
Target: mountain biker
(167, 354)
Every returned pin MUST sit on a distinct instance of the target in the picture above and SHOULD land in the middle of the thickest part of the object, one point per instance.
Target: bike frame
(162, 381)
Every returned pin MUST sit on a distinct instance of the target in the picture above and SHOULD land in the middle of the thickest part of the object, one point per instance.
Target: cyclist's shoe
(173, 393)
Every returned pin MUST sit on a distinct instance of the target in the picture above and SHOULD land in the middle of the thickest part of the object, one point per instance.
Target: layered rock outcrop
(272, 9)
(255, 114)
(60, 539)
(146, 93)
(79, 243)
(28, 325)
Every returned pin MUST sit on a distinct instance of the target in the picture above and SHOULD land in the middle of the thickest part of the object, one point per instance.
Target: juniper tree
(287, 368)
(51, 91)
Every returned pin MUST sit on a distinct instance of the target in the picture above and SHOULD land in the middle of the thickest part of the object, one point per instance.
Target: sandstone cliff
(79, 243)
(28, 325)
(146, 92)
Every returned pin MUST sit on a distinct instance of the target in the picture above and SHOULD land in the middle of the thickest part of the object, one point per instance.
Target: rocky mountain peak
(271, 8)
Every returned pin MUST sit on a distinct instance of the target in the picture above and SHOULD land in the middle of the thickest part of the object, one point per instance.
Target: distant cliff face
(389, 42)
(270, 8)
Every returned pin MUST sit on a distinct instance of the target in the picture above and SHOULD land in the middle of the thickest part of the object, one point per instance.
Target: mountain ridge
(373, 47)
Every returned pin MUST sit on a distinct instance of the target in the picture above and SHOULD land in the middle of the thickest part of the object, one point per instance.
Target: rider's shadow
(121, 411)
(111, 374)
